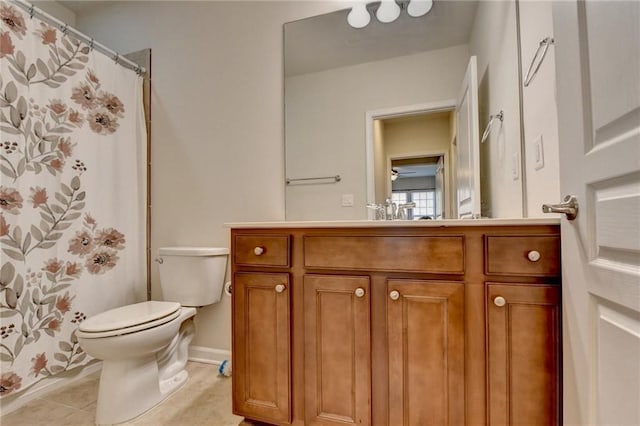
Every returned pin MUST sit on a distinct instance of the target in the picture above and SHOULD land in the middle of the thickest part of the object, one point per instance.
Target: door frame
(437, 153)
(393, 112)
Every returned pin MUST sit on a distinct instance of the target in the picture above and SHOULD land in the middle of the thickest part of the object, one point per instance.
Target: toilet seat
(129, 319)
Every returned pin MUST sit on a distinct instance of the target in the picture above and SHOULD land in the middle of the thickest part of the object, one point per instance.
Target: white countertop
(395, 223)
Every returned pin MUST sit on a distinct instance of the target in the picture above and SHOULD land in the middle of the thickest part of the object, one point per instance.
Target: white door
(467, 170)
(598, 91)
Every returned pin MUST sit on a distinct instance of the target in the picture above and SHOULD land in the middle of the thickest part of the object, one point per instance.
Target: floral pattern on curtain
(72, 225)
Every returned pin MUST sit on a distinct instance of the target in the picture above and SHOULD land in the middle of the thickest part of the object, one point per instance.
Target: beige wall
(494, 42)
(217, 119)
(417, 135)
(326, 122)
(540, 114)
(57, 10)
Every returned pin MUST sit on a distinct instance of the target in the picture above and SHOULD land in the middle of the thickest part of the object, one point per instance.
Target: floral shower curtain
(72, 195)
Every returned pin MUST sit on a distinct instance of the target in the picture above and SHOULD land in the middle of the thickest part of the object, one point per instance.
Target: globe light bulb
(418, 8)
(388, 11)
(359, 16)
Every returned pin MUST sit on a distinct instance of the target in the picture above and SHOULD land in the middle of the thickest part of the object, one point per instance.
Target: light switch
(538, 153)
(347, 200)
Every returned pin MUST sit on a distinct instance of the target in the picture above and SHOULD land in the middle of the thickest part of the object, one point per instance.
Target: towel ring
(492, 118)
(537, 60)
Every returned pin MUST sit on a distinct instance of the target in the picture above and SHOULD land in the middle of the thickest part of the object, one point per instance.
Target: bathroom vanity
(397, 322)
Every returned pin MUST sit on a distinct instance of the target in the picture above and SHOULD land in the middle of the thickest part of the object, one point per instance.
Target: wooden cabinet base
(396, 326)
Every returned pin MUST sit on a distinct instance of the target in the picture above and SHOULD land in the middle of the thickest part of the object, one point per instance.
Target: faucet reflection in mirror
(387, 12)
(390, 210)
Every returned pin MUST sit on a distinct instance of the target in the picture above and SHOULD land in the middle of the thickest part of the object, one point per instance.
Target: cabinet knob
(394, 295)
(258, 250)
(359, 292)
(280, 288)
(534, 255)
(499, 301)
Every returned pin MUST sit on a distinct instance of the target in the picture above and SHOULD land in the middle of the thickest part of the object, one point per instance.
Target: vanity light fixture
(388, 11)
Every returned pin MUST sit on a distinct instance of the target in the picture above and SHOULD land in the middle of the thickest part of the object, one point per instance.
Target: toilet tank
(192, 276)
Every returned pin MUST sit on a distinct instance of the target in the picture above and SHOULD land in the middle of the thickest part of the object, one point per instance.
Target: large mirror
(370, 113)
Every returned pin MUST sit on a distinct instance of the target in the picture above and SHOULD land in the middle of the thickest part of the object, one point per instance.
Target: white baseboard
(208, 355)
(13, 402)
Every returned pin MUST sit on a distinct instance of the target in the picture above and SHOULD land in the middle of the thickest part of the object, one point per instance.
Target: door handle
(569, 207)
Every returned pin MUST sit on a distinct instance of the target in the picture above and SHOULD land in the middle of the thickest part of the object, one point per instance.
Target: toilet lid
(128, 330)
(136, 315)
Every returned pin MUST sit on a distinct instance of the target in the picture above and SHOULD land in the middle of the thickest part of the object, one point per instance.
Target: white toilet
(144, 346)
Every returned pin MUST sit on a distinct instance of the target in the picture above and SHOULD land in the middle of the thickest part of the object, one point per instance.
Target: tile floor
(204, 400)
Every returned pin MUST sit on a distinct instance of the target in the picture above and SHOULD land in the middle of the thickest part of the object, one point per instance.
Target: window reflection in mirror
(414, 182)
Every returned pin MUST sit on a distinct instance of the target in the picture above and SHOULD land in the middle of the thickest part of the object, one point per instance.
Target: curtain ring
(65, 29)
(91, 44)
(31, 11)
(139, 70)
(117, 58)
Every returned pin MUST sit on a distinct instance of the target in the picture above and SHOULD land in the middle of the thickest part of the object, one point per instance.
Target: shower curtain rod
(65, 28)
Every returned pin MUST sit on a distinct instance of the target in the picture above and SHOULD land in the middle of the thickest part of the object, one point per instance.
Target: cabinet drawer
(262, 250)
(516, 255)
(444, 255)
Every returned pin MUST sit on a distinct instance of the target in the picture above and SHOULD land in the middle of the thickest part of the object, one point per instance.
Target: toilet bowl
(144, 346)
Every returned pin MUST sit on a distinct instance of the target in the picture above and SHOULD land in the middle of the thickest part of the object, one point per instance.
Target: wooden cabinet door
(425, 327)
(337, 350)
(261, 351)
(523, 329)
